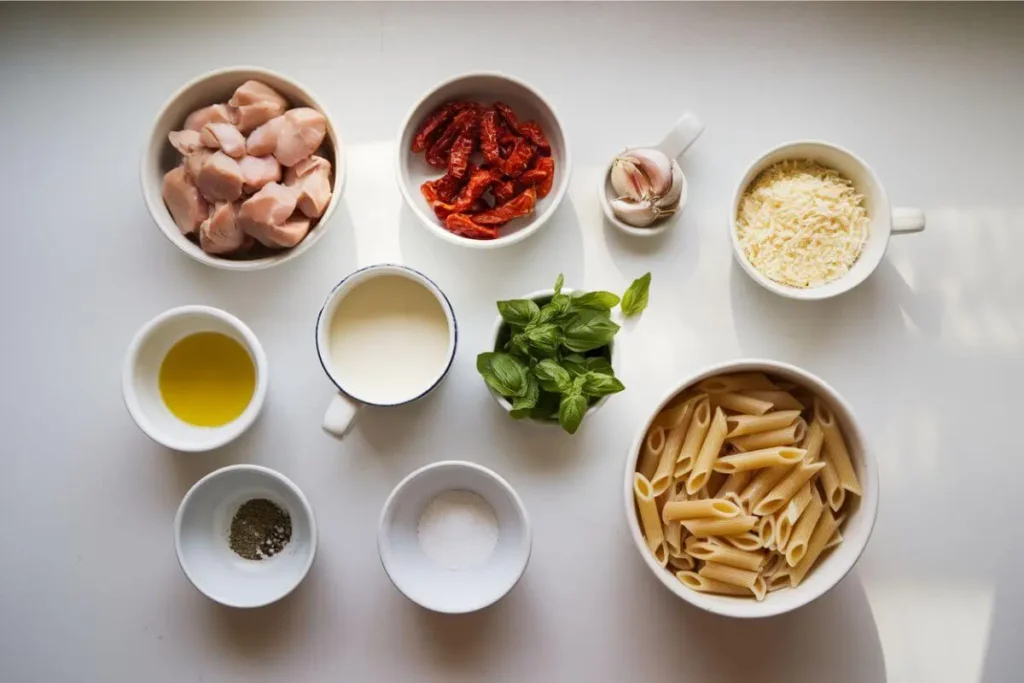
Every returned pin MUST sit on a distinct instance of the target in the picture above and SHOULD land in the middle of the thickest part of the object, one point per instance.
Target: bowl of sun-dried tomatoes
(482, 160)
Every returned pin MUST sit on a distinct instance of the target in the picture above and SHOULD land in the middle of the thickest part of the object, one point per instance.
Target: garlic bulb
(670, 200)
(638, 214)
(648, 185)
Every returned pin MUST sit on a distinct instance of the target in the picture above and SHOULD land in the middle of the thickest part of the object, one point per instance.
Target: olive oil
(207, 379)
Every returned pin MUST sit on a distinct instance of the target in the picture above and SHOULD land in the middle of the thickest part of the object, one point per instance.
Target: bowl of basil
(553, 357)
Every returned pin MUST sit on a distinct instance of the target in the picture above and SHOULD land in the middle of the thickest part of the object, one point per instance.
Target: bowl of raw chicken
(243, 169)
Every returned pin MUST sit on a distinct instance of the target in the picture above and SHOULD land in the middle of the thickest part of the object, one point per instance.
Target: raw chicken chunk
(194, 161)
(256, 103)
(220, 178)
(221, 233)
(225, 137)
(263, 140)
(288, 235)
(264, 214)
(252, 116)
(258, 171)
(311, 179)
(300, 136)
(183, 200)
(215, 113)
(185, 141)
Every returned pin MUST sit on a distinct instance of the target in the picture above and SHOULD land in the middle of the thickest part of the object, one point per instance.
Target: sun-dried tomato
(532, 132)
(432, 127)
(480, 180)
(443, 189)
(504, 191)
(546, 164)
(489, 137)
(532, 177)
(438, 154)
(522, 205)
(510, 116)
(463, 225)
(519, 159)
(464, 145)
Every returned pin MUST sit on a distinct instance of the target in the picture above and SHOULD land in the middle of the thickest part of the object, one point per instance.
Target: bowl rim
(809, 293)
(240, 424)
(155, 205)
(268, 472)
(524, 519)
(539, 220)
(748, 608)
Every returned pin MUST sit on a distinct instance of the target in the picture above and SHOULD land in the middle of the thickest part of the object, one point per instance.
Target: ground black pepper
(260, 529)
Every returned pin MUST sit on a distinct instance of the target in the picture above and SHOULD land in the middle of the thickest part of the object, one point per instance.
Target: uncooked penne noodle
(699, 509)
(763, 482)
(813, 441)
(735, 499)
(835, 494)
(741, 425)
(650, 452)
(778, 580)
(695, 433)
(837, 448)
(667, 461)
(787, 436)
(745, 541)
(675, 415)
(787, 517)
(726, 554)
(649, 521)
(756, 460)
(787, 488)
(715, 481)
(720, 527)
(739, 381)
(709, 451)
(773, 565)
(760, 588)
(798, 542)
(740, 403)
(836, 539)
(727, 574)
(682, 563)
(703, 584)
(734, 483)
(780, 400)
(766, 530)
(815, 546)
(674, 530)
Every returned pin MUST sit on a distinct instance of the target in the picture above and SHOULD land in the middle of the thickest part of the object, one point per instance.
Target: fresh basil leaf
(571, 410)
(553, 377)
(589, 330)
(559, 281)
(635, 299)
(521, 414)
(518, 345)
(600, 300)
(528, 401)
(575, 364)
(557, 311)
(547, 406)
(544, 338)
(599, 384)
(519, 312)
(599, 364)
(504, 373)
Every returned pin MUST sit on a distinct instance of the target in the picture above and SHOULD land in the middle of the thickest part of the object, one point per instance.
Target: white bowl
(412, 169)
(202, 531)
(496, 333)
(160, 157)
(856, 530)
(421, 579)
(884, 220)
(141, 372)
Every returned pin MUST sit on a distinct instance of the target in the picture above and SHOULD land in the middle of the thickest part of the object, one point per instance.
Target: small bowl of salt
(454, 537)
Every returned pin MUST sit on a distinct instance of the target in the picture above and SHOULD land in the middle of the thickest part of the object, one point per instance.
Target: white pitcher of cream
(386, 335)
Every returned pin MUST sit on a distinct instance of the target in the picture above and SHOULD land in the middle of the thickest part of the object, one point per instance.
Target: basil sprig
(553, 357)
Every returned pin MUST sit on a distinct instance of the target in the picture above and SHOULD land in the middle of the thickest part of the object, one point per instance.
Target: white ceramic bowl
(496, 334)
(885, 221)
(159, 157)
(412, 169)
(856, 531)
(202, 531)
(141, 372)
(421, 579)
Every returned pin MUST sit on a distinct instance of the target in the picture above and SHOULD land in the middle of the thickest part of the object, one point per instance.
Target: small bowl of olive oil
(195, 378)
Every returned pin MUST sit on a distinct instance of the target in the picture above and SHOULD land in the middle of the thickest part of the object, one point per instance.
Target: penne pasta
(650, 452)
(734, 483)
(787, 436)
(741, 425)
(763, 482)
(715, 481)
(674, 530)
(777, 498)
(787, 517)
(745, 541)
(695, 433)
(727, 574)
(766, 531)
(740, 403)
(720, 527)
(703, 584)
(673, 443)
(778, 580)
(760, 588)
(681, 562)
(739, 381)
(649, 521)
(725, 554)
(780, 400)
(836, 539)
(837, 450)
(699, 509)
(674, 415)
(835, 494)
(756, 460)
(815, 546)
(813, 441)
(772, 566)
(709, 451)
(798, 542)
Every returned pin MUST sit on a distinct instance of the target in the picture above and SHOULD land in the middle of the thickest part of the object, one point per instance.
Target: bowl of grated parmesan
(811, 220)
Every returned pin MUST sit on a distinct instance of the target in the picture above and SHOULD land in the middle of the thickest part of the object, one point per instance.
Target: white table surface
(929, 350)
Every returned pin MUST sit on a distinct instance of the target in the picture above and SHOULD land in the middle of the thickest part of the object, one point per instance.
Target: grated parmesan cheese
(802, 224)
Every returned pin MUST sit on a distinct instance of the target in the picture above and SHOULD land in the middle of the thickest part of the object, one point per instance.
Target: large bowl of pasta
(750, 491)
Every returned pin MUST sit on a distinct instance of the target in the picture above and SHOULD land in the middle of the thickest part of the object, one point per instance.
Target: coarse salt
(458, 530)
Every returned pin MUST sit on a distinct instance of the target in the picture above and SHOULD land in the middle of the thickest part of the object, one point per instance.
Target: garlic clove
(656, 167)
(638, 214)
(670, 200)
(627, 179)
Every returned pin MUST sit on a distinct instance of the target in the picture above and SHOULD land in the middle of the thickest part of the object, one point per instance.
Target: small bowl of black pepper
(245, 536)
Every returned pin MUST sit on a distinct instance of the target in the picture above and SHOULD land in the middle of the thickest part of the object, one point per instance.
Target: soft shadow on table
(631, 254)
